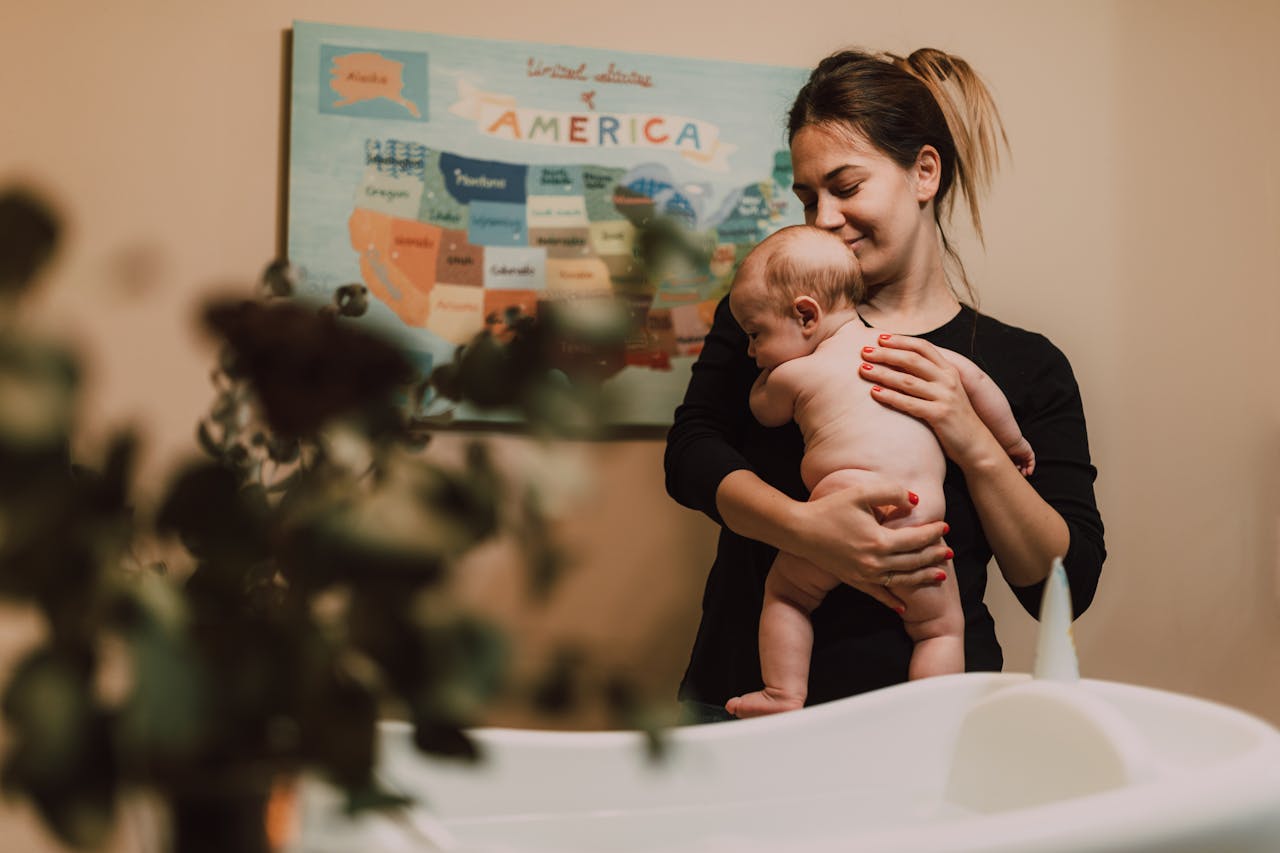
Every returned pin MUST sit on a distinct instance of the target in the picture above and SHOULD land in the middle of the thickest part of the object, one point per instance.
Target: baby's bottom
(795, 587)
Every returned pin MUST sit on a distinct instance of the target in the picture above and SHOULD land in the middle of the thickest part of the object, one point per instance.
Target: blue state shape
(497, 223)
(414, 78)
(470, 180)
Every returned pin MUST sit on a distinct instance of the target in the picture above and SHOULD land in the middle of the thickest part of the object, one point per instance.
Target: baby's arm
(993, 407)
(773, 396)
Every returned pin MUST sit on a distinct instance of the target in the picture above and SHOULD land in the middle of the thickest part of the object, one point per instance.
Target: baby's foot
(763, 702)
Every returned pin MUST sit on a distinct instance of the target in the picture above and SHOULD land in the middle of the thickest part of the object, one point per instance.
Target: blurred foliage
(322, 542)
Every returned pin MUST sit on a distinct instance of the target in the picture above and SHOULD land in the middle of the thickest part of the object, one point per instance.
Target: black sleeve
(703, 444)
(1052, 419)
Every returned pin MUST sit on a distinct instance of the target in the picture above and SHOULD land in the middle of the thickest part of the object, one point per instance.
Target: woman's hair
(900, 105)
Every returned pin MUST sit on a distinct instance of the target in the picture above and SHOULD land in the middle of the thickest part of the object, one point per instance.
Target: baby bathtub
(872, 772)
(974, 762)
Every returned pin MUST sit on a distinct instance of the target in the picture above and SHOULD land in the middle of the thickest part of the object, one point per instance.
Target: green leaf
(340, 727)
(49, 708)
(374, 796)
(213, 516)
(29, 234)
(444, 740)
(558, 690)
(165, 714)
(308, 369)
(281, 278)
(38, 386)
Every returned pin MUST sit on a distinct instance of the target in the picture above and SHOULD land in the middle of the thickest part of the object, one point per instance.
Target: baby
(795, 296)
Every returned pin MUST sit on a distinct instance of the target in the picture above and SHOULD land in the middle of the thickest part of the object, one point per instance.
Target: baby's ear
(807, 311)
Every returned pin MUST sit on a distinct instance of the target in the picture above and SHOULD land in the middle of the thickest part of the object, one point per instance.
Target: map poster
(459, 179)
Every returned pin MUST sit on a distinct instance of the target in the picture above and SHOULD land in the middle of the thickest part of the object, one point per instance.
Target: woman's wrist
(754, 509)
(794, 536)
(982, 456)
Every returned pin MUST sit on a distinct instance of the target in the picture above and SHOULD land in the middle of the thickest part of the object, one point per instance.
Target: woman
(879, 146)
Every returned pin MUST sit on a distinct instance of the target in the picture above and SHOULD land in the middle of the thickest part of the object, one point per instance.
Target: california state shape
(397, 261)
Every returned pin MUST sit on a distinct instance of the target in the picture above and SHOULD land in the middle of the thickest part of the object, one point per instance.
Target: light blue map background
(737, 200)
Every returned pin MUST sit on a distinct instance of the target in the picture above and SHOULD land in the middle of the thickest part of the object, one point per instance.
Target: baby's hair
(832, 278)
(902, 104)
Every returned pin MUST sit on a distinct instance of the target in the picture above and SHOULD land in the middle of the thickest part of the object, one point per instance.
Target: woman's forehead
(818, 151)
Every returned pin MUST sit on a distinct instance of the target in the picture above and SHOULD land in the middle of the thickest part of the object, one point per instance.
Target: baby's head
(784, 287)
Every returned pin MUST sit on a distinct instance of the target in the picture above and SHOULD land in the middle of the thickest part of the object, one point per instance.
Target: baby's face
(772, 338)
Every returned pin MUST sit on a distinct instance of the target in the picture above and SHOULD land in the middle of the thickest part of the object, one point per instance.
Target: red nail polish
(866, 366)
(876, 388)
(950, 553)
(940, 577)
(946, 528)
(913, 497)
(899, 610)
(884, 337)
(868, 350)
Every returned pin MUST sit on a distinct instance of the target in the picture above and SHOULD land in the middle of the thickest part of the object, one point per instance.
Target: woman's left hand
(912, 376)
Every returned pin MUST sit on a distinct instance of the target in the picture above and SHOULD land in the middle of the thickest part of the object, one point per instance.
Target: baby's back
(844, 427)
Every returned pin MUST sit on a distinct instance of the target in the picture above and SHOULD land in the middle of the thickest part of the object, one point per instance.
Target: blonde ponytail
(972, 118)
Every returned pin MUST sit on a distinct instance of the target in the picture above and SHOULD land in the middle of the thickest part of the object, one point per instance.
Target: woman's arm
(839, 532)
(990, 404)
(1025, 532)
(706, 471)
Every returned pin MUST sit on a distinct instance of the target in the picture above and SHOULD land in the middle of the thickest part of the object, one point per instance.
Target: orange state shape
(359, 77)
(371, 236)
(415, 250)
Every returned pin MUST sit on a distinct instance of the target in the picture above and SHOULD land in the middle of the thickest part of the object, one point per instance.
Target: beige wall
(1137, 225)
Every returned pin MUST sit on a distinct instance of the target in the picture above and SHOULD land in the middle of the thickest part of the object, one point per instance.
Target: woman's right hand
(843, 533)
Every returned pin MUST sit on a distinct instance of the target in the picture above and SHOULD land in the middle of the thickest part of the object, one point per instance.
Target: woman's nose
(827, 214)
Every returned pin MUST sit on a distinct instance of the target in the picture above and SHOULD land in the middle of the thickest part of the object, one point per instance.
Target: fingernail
(940, 577)
(946, 528)
(913, 497)
(868, 350)
(884, 337)
(950, 553)
(866, 366)
(899, 610)
(876, 388)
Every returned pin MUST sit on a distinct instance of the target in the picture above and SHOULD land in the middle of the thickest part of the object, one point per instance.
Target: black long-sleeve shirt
(859, 644)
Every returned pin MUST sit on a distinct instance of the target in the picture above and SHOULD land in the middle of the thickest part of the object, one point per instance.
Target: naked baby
(795, 296)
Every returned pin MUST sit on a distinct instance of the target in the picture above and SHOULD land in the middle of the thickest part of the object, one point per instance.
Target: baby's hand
(1023, 456)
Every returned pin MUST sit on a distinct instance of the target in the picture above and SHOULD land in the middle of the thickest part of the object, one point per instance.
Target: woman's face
(880, 210)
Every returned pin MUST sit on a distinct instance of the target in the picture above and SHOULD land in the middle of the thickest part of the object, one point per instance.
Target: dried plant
(321, 539)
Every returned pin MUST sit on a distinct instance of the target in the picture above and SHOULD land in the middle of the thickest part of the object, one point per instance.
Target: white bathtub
(866, 773)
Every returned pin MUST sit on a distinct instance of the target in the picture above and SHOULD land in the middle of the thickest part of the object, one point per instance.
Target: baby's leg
(791, 592)
(933, 618)
(793, 589)
(935, 622)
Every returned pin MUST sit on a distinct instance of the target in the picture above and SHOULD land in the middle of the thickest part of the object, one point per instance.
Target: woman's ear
(808, 312)
(926, 173)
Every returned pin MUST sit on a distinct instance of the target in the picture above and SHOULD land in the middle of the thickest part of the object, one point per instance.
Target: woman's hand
(842, 532)
(910, 375)
(1025, 532)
